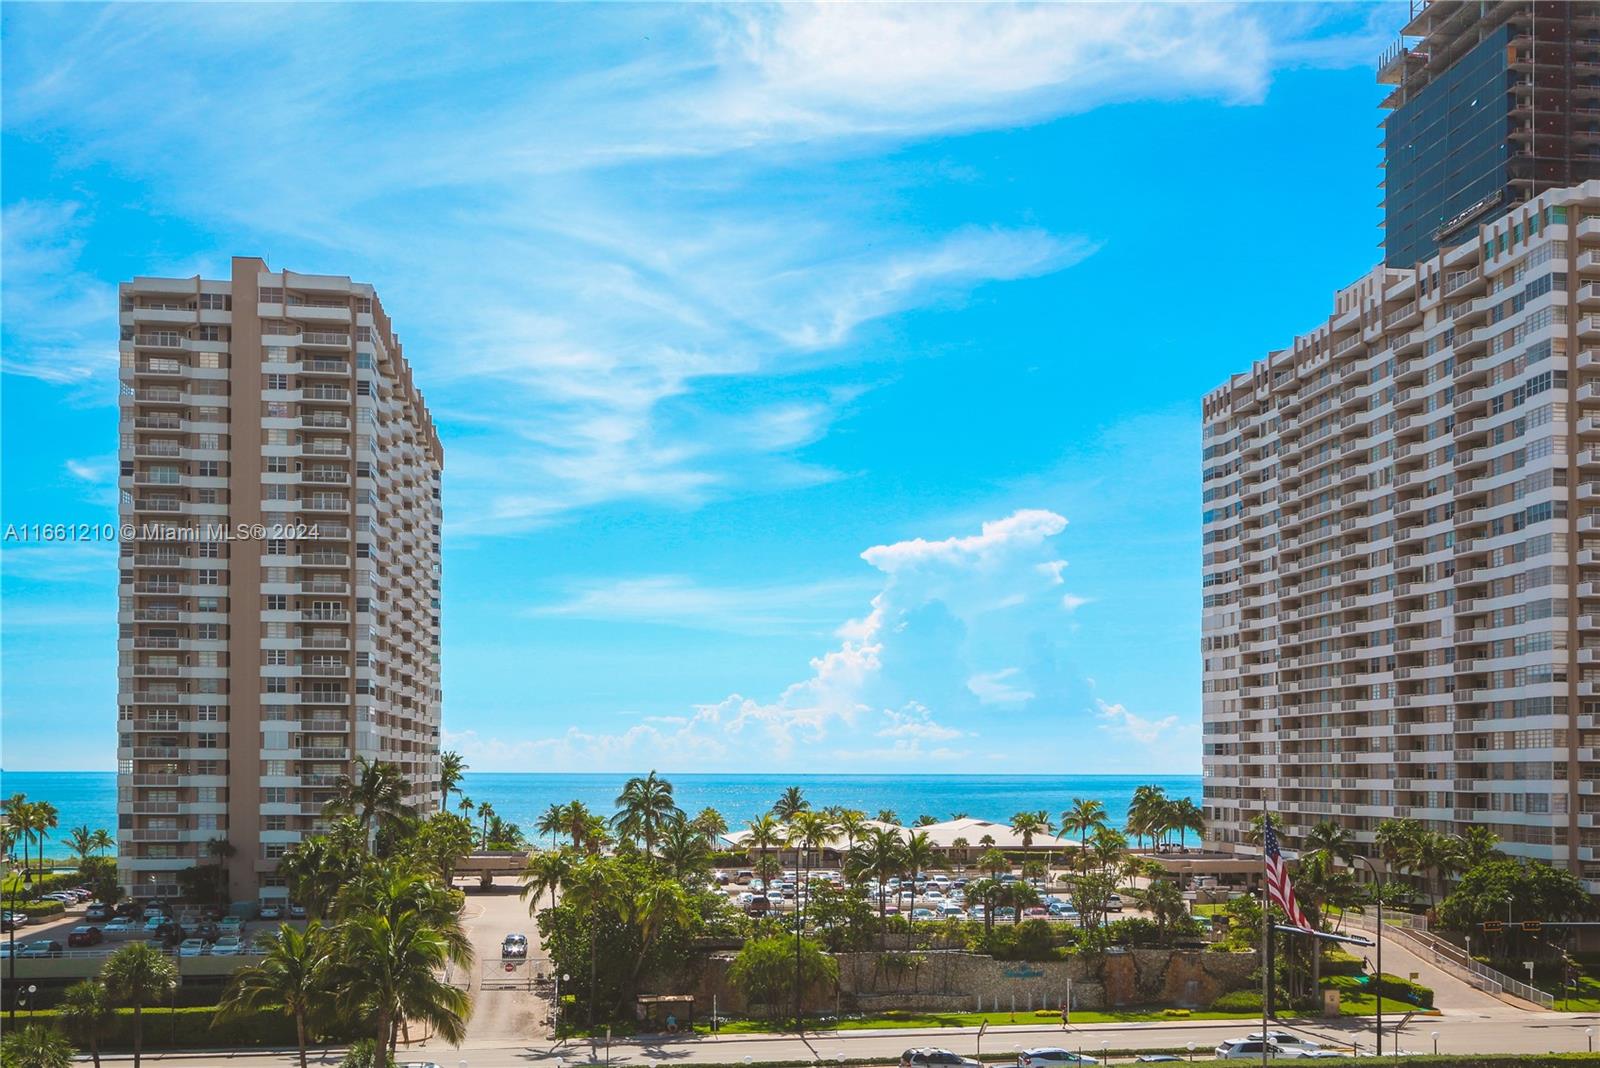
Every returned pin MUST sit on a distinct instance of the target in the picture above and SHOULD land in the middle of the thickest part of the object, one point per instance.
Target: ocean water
(89, 798)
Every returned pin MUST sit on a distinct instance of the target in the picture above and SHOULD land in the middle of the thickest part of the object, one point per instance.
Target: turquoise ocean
(89, 798)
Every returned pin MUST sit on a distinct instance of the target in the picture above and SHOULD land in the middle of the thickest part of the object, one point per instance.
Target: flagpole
(1266, 928)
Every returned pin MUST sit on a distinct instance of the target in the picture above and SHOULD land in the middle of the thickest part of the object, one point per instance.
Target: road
(1504, 1030)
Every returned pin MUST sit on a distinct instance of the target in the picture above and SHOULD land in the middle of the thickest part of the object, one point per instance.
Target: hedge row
(40, 908)
(186, 1028)
(1393, 987)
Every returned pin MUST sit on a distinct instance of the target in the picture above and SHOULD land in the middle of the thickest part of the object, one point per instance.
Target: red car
(85, 936)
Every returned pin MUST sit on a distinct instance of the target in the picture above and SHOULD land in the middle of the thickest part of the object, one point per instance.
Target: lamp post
(1589, 1033)
(1377, 896)
(1435, 1043)
(1191, 1053)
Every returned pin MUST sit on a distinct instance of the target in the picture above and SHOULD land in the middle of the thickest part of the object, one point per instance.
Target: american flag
(1279, 888)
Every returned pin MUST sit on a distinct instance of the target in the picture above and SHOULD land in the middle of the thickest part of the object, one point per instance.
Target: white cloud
(1119, 721)
(1072, 602)
(618, 203)
(993, 689)
(97, 470)
(60, 321)
(681, 601)
(900, 674)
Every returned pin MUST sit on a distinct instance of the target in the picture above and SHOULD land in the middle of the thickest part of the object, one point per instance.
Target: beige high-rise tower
(1402, 552)
(278, 613)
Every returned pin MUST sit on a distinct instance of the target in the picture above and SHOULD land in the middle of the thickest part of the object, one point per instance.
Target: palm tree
(809, 832)
(389, 970)
(887, 815)
(466, 807)
(1164, 901)
(684, 852)
(711, 826)
(451, 769)
(1142, 810)
(397, 929)
(1084, 816)
(316, 867)
(593, 891)
(789, 802)
(546, 872)
(851, 822)
(18, 817)
(139, 974)
(86, 1011)
(375, 795)
(1395, 839)
(1478, 844)
(595, 834)
(917, 854)
(1028, 824)
(485, 814)
(644, 809)
(81, 842)
(1330, 840)
(1187, 816)
(553, 822)
(657, 906)
(880, 856)
(103, 840)
(994, 862)
(292, 978)
(1437, 857)
(35, 1046)
(765, 834)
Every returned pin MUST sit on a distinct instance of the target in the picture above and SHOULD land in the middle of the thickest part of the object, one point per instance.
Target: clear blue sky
(819, 385)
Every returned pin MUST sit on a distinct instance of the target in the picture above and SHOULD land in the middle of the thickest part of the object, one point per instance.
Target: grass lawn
(1358, 1005)
(1587, 999)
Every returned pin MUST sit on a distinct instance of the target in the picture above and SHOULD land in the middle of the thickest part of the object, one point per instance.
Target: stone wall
(957, 981)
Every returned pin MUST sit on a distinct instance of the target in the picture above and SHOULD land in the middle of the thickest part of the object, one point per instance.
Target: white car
(951, 912)
(1285, 1039)
(1052, 1057)
(270, 912)
(227, 946)
(192, 947)
(924, 914)
(1248, 1049)
(933, 895)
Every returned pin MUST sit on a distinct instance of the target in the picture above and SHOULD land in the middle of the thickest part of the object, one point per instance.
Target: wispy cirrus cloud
(583, 224)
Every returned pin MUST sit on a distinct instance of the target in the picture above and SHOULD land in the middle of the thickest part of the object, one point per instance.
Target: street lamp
(1191, 1052)
(1435, 1043)
(1377, 896)
(1105, 1056)
(1589, 1033)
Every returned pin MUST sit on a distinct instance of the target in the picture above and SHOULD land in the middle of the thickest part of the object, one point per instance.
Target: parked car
(43, 947)
(121, 925)
(929, 1057)
(13, 919)
(152, 924)
(192, 947)
(951, 912)
(155, 912)
(1285, 1039)
(230, 925)
(1052, 1057)
(85, 936)
(270, 911)
(514, 946)
(1157, 1058)
(1005, 913)
(1114, 903)
(129, 909)
(1035, 913)
(98, 912)
(1247, 1049)
(918, 915)
(228, 946)
(759, 905)
(297, 912)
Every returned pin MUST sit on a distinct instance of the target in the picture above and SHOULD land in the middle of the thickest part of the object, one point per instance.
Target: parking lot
(940, 895)
(229, 937)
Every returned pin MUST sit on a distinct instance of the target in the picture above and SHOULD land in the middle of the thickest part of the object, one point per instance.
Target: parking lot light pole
(1377, 896)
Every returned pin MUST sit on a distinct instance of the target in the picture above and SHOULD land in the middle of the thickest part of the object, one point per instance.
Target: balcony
(325, 421)
(324, 367)
(332, 586)
(155, 615)
(163, 340)
(169, 449)
(320, 642)
(324, 338)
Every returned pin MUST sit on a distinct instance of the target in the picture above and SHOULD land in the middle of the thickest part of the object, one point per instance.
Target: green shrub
(1340, 962)
(1394, 987)
(1238, 1001)
(41, 908)
(187, 1028)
